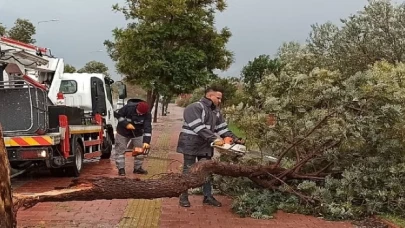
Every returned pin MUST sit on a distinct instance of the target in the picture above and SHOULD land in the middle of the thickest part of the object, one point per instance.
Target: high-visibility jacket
(203, 123)
(142, 123)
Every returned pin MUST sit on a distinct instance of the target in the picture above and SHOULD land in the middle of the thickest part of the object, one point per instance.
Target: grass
(395, 220)
(238, 132)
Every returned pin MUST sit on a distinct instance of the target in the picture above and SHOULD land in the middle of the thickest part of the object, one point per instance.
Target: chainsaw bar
(230, 148)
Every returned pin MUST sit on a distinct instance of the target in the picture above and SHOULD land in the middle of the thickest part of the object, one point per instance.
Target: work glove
(130, 127)
(146, 146)
(218, 142)
(228, 140)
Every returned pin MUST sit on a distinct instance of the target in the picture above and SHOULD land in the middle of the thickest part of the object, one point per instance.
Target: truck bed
(33, 140)
(23, 109)
(48, 139)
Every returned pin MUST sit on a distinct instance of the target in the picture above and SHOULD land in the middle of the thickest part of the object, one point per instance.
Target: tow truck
(50, 117)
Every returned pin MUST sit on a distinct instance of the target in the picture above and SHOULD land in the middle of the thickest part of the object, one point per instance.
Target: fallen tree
(169, 185)
(268, 176)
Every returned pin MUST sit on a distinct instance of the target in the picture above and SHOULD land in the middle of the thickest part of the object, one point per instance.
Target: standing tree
(261, 66)
(254, 73)
(173, 45)
(69, 68)
(7, 218)
(94, 67)
(23, 31)
(2, 30)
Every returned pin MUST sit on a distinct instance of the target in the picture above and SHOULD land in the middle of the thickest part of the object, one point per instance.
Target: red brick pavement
(99, 213)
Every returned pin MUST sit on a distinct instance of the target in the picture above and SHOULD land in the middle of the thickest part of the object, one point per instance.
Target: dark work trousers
(189, 160)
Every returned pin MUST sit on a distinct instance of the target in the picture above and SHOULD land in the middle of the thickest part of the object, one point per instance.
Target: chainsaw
(230, 146)
(140, 151)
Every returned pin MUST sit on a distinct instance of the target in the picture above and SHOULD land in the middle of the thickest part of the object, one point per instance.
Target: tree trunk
(7, 218)
(156, 108)
(163, 108)
(149, 98)
(169, 185)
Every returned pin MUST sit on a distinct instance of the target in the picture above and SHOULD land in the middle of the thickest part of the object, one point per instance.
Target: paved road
(142, 213)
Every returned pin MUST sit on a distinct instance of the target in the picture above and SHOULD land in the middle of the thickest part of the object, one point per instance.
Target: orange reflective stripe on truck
(29, 141)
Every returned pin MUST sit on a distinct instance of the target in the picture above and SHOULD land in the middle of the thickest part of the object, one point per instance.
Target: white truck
(51, 117)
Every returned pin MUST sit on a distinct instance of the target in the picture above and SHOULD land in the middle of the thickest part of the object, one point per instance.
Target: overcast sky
(258, 26)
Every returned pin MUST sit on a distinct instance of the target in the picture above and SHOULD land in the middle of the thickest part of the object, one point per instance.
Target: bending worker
(134, 126)
(203, 121)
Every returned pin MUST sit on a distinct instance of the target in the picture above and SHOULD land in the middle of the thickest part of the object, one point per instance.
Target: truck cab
(90, 91)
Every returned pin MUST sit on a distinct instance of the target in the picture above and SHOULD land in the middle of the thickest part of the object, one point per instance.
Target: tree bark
(7, 218)
(155, 115)
(163, 107)
(149, 98)
(169, 185)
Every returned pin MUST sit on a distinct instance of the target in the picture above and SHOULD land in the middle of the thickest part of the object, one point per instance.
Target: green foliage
(173, 45)
(255, 71)
(355, 123)
(69, 68)
(23, 30)
(261, 204)
(375, 33)
(250, 200)
(347, 110)
(235, 129)
(94, 67)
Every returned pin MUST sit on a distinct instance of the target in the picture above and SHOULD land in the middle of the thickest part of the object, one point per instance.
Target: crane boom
(16, 58)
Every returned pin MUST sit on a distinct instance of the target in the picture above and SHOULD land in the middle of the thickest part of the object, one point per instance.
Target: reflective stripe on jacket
(142, 123)
(202, 123)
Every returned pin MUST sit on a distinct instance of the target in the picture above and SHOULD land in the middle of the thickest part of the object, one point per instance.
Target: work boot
(140, 171)
(121, 172)
(184, 200)
(210, 200)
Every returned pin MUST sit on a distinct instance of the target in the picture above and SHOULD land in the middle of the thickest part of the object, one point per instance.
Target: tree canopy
(170, 46)
(69, 68)
(23, 30)
(94, 67)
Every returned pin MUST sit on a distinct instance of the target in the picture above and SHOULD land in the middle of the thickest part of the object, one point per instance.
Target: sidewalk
(144, 213)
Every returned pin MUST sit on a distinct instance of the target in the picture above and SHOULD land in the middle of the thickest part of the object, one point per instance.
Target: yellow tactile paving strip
(146, 213)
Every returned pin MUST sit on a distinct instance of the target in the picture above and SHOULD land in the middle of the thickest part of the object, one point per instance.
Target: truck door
(98, 98)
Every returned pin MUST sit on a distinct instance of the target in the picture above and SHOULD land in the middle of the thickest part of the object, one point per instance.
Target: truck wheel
(77, 164)
(106, 148)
